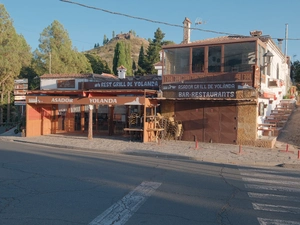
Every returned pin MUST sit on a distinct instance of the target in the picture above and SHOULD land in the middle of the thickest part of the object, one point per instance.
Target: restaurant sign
(200, 90)
(124, 84)
(84, 101)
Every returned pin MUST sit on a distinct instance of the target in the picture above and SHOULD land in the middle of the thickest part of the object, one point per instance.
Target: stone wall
(246, 123)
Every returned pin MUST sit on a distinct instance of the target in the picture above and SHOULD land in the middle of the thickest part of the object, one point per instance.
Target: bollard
(240, 149)
(287, 148)
(298, 154)
(196, 144)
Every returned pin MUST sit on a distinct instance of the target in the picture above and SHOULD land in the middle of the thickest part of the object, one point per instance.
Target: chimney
(121, 72)
(186, 31)
(256, 33)
(280, 43)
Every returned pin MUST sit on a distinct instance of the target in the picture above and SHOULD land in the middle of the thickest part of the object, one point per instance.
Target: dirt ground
(290, 133)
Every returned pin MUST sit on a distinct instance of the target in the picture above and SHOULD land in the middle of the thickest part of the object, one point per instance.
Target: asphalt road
(41, 185)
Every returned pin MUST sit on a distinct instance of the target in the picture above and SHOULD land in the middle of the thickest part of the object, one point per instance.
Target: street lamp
(268, 56)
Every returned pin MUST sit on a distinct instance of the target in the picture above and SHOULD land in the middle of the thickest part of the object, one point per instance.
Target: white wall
(50, 84)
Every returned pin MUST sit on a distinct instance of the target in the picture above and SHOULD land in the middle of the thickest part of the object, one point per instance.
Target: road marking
(120, 212)
(261, 175)
(276, 208)
(272, 188)
(263, 221)
(261, 171)
(283, 182)
(273, 197)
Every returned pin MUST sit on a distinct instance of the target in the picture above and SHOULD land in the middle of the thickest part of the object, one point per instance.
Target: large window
(177, 61)
(197, 60)
(239, 57)
(214, 59)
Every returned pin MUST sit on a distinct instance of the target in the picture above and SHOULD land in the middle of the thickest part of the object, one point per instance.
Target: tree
(128, 59)
(119, 57)
(99, 66)
(56, 54)
(141, 62)
(113, 34)
(152, 56)
(14, 54)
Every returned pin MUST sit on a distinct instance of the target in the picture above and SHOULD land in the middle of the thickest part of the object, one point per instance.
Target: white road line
(120, 212)
(283, 182)
(265, 176)
(273, 197)
(261, 171)
(263, 221)
(272, 188)
(276, 208)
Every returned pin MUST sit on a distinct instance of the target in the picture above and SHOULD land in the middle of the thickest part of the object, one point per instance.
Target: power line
(160, 22)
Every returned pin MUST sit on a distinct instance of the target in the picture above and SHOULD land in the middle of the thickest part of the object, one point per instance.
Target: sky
(87, 26)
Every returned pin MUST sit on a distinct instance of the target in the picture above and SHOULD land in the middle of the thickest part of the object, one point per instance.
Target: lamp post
(268, 56)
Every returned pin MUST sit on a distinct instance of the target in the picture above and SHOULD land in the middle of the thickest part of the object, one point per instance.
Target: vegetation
(56, 55)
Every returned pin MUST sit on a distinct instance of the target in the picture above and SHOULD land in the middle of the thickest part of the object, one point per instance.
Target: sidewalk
(206, 152)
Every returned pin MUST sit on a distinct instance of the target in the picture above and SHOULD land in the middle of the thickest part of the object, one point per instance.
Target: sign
(19, 102)
(114, 100)
(21, 86)
(200, 90)
(65, 83)
(18, 98)
(142, 83)
(21, 81)
(20, 92)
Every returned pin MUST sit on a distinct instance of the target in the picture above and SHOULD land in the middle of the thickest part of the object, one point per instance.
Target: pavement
(281, 155)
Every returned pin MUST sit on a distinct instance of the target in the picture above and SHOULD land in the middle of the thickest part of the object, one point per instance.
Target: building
(217, 87)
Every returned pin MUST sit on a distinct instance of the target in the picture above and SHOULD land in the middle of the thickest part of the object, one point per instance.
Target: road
(42, 185)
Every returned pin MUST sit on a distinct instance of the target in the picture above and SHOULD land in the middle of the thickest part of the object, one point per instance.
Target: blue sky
(87, 26)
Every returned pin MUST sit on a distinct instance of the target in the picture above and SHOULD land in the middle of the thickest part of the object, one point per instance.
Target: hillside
(106, 52)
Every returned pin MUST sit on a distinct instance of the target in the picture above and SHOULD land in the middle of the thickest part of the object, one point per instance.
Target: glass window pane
(214, 59)
(197, 60)
(239, 57)
(177, 61)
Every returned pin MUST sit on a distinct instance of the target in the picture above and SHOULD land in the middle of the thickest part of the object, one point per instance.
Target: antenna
(199, 21)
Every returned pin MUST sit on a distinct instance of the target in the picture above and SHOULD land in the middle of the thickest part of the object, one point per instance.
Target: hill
(106, 52)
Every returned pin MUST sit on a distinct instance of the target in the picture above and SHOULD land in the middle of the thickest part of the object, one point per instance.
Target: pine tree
(141, 62)
(14, 54)
(99, 66)
(128, 59)
(56, 55)
(153, 52)
(113, 34)
(119, 57)
(104, 40)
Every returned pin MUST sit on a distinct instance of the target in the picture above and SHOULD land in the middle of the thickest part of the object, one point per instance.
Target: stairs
(279, 116)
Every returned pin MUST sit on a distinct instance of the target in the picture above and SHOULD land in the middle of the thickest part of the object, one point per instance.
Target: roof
(111, 92)
(222, 39)
(83, 76)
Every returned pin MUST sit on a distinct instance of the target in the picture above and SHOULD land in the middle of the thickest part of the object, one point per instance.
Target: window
(197, 60)
(177, 61)
(214, 59)
(239, 57)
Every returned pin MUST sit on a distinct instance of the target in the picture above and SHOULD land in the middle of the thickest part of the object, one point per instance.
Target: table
(137, 132)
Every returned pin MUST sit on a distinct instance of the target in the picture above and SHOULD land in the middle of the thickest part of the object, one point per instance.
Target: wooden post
(82, 122)
(90, 130)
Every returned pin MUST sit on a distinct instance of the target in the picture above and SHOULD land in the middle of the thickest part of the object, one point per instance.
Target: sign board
(152, 83)
(21, 81)
(65, 83)
(20, 97)
(21, 86)
(20, 92)
(19, 102)
(200, 90)
(113, 100)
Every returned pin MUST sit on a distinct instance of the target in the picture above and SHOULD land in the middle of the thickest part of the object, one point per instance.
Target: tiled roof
(72, 75)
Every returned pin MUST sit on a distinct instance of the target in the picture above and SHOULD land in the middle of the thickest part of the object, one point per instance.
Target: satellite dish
(199, 21)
